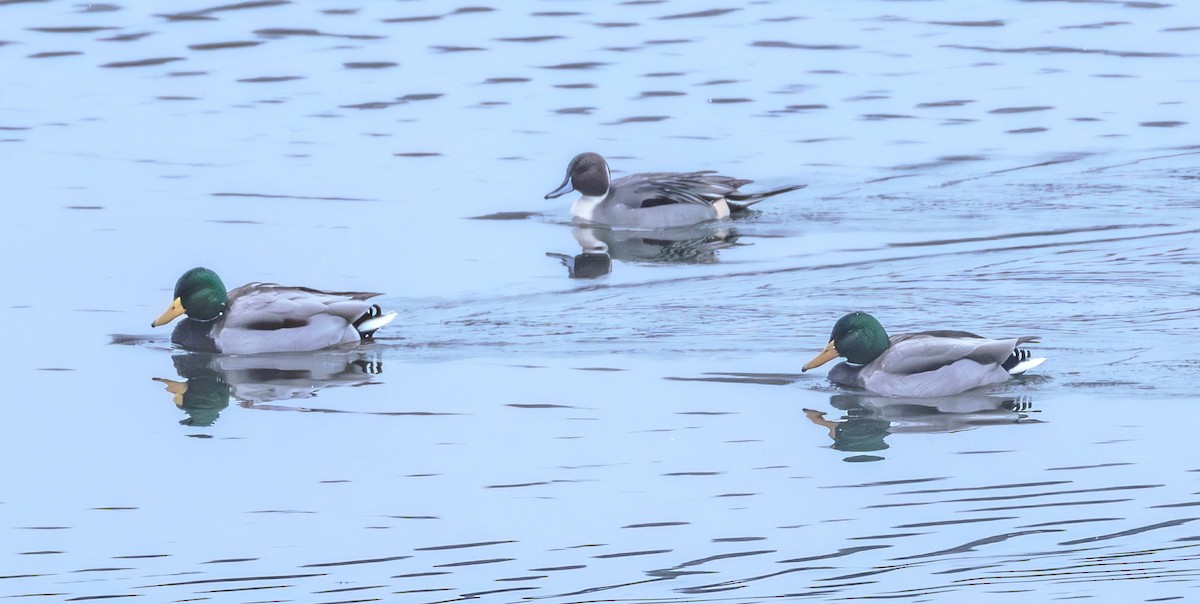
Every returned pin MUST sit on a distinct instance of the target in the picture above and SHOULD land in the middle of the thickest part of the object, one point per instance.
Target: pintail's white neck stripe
(584, 208)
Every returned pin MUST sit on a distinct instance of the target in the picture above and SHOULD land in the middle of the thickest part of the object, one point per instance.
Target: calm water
(640, 432)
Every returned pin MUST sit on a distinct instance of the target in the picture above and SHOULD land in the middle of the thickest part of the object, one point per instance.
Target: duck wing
(704, 188)
(913, 353)
(265, 317)
(939, 364)
(662, 188)
(265, 306)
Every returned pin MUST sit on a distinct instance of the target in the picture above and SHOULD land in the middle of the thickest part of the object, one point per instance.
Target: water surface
(642, 431)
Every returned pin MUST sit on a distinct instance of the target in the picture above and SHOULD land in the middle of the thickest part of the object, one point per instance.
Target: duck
(654, 200)
(267, 317)
(924, 364)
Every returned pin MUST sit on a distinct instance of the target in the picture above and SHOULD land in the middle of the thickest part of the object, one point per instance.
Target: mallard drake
(265, 317)
(653, 200)
(925, 364)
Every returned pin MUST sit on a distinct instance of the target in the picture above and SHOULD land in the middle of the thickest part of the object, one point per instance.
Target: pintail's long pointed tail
(746, 200)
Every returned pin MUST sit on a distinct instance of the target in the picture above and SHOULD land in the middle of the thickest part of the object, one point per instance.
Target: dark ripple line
(1067, 50)
(951, 522)
(639, 119)
(109, 597)
(716, 557)
(476, 594)
(645, 552)
(867, 573)
(1127, 575)
(579, 65)
(1138, 161)
(473, 562)
(1056, 573)
(369, 64)
(232, 580)
(601, 588)
(1018, 485)
(52, 55)
(885, 483)
(991, 23)
(738, 583)
(424, 574)
(764, 379)
(1065, 522)
(83, 29)
(845, 551)
(1042, 164)
(969, 547)
(346, 589)
(655, 524)
(224, 45)
(417, 19)
(270, 196)
(283, 32)
(142, 62)
(437, 548)
(794, 46)
(241, 6)
(1019, 235)
(270, 79)
(1007, 110)
(530, 39)
(351, 562)
(241, 589)
(1129, 532)
(1053, 493)
(715, 12)
(1048, 505)
(1091, 467)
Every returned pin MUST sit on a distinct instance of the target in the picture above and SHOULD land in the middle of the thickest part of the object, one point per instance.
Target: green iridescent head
(857, 336)
(200, 294)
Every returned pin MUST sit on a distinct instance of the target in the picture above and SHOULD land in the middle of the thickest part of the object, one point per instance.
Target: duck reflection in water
(870, 419)
(687, 245)
(257, 381)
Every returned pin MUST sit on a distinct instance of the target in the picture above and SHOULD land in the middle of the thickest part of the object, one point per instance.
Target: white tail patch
(374, 323)
(1026, 365)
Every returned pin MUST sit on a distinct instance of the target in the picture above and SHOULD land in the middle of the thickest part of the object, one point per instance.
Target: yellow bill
(830, 353)
(176, 388)
(173, 311)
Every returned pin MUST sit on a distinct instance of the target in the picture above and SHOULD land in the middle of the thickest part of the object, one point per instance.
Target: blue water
(641, 432)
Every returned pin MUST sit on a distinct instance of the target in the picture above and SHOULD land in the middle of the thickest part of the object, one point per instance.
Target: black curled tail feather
(1018, 355)
(372, 312)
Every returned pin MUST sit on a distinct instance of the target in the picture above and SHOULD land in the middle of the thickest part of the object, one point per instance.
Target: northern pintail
(654, 200)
